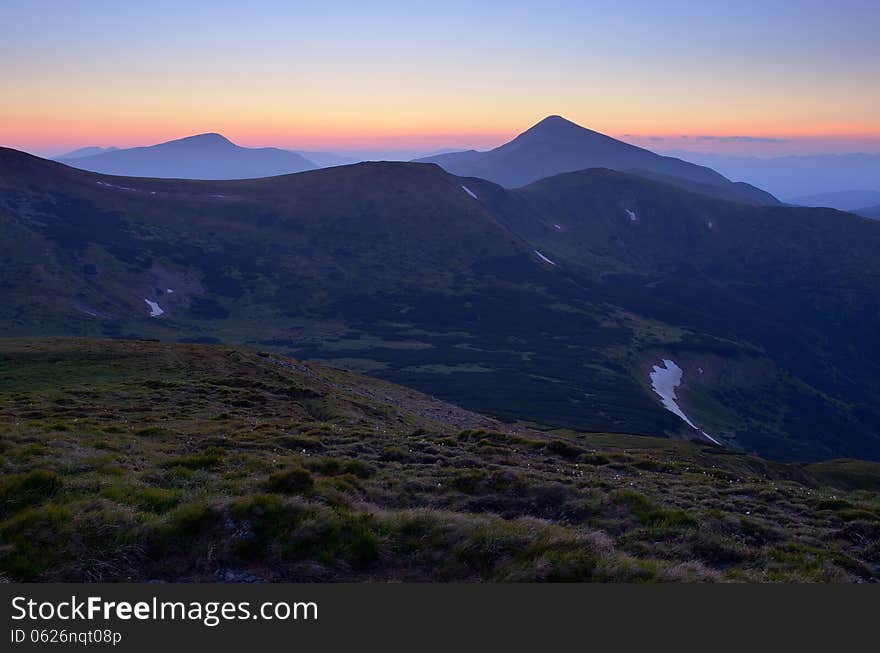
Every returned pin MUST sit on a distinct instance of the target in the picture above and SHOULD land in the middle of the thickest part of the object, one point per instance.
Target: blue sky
(348, 74)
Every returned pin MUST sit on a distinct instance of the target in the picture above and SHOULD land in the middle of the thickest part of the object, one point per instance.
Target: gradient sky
(334, 74)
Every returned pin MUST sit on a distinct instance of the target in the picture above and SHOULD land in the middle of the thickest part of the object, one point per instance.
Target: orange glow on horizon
(44, 132)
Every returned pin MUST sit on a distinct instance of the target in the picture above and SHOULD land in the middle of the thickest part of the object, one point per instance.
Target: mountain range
(556, 145)
(569, 302)
(205, 156)
(552, 146)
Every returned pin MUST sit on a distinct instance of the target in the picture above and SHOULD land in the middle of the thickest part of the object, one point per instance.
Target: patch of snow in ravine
(631, 214)
(155, 309)
(664, 381)
(169, 291)
(544, 258)
(470, 192)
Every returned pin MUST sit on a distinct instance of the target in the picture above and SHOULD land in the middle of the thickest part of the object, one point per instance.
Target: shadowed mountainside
(549, 303)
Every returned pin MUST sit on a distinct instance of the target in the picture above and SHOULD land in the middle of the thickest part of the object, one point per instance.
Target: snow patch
(631, 214)
(169, 291)
(469, 192)
(711, 439)
(155, 309)
(557, 227)
(664, 381)
(544, 258)
(106, 185)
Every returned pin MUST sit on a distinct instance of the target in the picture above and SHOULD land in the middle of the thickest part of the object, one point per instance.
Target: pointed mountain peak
(554, 124)
(553, 129)
(554, 120)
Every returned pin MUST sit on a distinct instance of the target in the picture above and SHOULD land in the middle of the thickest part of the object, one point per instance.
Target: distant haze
(802, 178)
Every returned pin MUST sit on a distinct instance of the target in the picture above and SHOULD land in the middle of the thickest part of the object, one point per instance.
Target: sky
(768, 77)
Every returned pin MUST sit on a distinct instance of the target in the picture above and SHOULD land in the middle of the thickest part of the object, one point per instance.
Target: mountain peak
(555, 145)
(554, 123)
(209, 139)
(554, 119)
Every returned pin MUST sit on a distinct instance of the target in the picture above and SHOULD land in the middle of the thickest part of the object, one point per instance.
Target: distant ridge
(84, 151)
(202, 156)
(556, 145)
(847, 200)
(872, 212)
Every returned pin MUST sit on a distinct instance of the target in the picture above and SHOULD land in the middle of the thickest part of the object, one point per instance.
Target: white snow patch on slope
(155, 309)
(557, 227)
(631, 214)
(106, 185)
(664, 381)
(469, 192)
(711, 438)
(544, 258)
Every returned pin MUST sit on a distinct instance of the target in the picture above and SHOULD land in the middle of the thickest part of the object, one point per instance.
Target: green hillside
(137, 461)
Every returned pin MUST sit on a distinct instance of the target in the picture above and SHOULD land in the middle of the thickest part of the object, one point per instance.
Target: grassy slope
(141, 460)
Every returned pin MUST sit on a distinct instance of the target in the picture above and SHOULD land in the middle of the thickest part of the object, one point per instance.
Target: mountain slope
(552, 303)
(390, 268)
(556, 145)
(206, 156)
(800, 285)
(145, 461)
